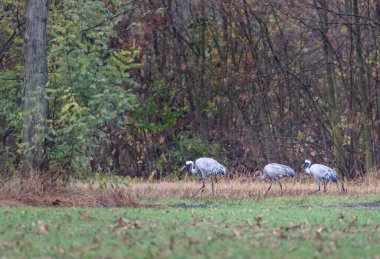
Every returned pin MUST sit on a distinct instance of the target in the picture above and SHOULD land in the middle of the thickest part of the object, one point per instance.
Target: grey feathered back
(274, 170)
(208, 166)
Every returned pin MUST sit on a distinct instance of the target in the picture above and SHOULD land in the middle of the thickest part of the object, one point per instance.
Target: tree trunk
(352, 164)
(377, 93)
(363, 91)
(334, 109)
(36, 105)
(203, 92)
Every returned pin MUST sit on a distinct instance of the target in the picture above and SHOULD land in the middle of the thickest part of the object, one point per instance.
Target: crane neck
(193, 170)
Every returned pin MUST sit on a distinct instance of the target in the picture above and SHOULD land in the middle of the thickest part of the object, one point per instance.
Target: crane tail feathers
(334, 176)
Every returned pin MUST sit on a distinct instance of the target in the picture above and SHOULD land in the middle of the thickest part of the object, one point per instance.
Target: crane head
(306, 164)
(187, 165)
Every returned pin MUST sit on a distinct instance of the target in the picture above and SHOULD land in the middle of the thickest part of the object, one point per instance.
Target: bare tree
(363, 89)
(332, 95)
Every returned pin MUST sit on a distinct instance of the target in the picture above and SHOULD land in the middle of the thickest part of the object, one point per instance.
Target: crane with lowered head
(275, 171)
(206, 166)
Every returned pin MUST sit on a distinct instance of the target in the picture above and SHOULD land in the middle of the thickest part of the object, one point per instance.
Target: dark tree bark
(333, 104)
(36, 105)
(363, 89)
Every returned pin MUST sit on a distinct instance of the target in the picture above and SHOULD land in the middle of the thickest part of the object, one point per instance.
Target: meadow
(168, 223)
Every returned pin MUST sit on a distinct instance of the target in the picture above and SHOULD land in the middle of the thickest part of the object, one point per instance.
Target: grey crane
(205, 166)
(321, 172)
(275, 171)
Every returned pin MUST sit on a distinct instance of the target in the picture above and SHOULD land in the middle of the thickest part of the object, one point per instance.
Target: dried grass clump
(37, 190)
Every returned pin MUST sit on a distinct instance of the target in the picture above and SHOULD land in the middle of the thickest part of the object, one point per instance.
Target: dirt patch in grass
(366, 205)
(36, 192)
(192, 206)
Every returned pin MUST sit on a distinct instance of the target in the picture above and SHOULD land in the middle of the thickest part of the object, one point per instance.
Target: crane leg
(319, 186)
(212, 185)
(280, 185)
(202, 189)
(324, 186)
(270, 186)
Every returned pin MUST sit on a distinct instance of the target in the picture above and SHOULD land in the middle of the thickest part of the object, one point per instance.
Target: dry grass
(33, 193)
(37, 192)
(252, 188)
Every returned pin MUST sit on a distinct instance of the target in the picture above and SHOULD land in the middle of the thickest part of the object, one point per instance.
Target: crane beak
(183, 168)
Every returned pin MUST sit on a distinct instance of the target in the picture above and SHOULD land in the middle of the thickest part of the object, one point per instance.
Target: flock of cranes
(210, 167)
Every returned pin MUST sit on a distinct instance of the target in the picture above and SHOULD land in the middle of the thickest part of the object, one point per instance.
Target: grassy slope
(273, 227)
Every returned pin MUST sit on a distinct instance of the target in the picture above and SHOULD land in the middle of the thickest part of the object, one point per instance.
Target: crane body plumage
(275, 171)
(206, 166)
(321, 173)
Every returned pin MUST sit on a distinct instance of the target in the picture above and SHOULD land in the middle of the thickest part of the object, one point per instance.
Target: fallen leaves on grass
(5, 245)
(58, 249)
(85, 216)
(123, 223)
(236, 233)
(120, 223)
(258, 220)
(40, 228)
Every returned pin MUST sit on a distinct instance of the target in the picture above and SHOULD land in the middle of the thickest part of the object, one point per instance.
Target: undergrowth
(38, 190)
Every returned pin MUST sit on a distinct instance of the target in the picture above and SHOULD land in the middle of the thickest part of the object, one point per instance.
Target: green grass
(270, 228)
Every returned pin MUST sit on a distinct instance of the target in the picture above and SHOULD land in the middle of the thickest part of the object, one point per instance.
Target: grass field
(313, 226)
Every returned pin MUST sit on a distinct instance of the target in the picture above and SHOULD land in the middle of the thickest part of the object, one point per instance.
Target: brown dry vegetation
(32, 192)
(244, 187)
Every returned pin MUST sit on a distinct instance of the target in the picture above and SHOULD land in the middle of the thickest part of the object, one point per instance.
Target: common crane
(206, 166)
(275, 171)
(321, 172)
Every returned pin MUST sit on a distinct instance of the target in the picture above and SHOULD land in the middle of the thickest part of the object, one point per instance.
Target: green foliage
(86, 80)
(248, 82)
(11, 84)
(10, 91)
(157, 115)
(244, 230)
(11, 115)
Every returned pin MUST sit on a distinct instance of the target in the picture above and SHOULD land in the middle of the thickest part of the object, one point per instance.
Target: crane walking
(321, 173)
(206, 166)
(274, 171)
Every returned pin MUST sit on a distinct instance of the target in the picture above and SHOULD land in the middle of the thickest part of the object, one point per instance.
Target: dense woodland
(138, 87)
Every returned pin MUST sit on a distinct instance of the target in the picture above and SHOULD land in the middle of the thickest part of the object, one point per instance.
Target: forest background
(137, 87)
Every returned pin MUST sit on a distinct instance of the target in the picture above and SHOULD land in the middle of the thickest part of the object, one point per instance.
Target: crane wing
(325, 172)
(282, 170)
(209, 166)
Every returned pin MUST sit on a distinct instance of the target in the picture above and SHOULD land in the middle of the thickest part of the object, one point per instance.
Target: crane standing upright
(206, 166)
(321, 173)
